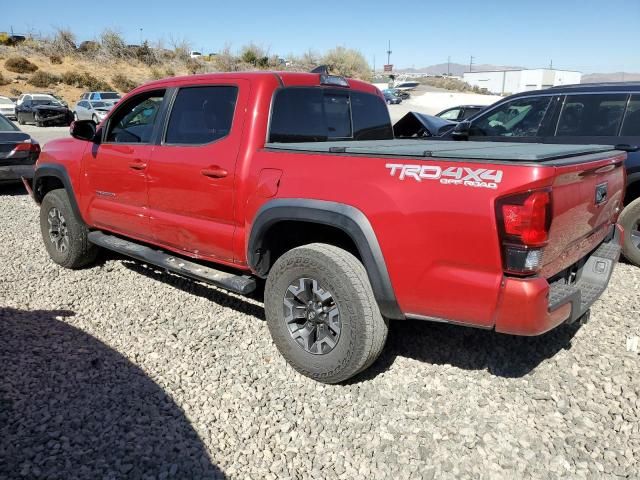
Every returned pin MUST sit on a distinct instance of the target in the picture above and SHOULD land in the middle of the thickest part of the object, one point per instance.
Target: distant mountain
(610, 77)
(456, 69)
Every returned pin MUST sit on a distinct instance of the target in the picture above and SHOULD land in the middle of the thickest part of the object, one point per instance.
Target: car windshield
(100, 104)
(5, 101)
(45, 100)
(6, 125)
(109, 96)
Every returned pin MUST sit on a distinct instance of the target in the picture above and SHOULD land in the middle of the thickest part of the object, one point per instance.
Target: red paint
(440, 242)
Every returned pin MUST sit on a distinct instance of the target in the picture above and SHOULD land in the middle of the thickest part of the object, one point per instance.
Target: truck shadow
(469, 348)
(71, 407)
(12, 189)
(211, 293)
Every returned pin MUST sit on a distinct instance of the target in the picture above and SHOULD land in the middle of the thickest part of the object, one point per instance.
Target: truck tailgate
(586, 198)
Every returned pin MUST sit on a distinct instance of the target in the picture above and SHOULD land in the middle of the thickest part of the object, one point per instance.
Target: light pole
(140, 35)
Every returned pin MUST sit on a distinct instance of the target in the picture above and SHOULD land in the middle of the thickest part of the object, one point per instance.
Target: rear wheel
(64, 235)
(38, 120)
(322, 314)
(20, 120)
(630, 221)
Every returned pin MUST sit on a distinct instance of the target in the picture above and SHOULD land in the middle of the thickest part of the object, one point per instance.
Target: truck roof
(489, 151)
(285, 79)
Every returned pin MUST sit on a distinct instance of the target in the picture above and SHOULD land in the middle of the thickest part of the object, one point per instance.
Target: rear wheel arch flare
(351, 224)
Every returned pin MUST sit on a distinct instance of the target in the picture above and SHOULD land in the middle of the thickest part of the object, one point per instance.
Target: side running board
(241, 284)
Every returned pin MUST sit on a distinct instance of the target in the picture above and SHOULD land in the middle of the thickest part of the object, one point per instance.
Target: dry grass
(74, 69)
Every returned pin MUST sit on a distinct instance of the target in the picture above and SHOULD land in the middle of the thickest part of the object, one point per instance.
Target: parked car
(232, 178)
(420, 125)
(42, 110)
(461, 112)
(391, 99)
(195, 54)
(607, 113)
(7, 107)
(92, 110)
(18, 152)
(403, 94)
(107, 96)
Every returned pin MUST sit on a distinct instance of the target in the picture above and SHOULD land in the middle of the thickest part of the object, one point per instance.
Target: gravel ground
(120, 371)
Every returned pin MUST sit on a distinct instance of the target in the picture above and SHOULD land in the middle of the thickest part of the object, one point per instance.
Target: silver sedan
(92, 110)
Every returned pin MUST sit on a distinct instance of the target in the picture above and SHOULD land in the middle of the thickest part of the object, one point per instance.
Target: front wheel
(322, 314)
(63, 233)
(95, 119)
(630, 221)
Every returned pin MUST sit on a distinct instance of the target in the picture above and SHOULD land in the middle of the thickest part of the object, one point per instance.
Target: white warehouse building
(515, 81)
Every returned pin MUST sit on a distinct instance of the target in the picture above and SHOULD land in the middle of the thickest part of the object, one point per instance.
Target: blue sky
(588, 35)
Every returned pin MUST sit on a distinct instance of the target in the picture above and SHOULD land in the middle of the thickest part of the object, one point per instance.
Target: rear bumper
(13, 173)
(535, 306)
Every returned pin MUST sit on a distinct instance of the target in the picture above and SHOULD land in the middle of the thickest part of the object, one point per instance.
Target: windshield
(45, 101)
(6, 125)
(99, 104)
(109, 96)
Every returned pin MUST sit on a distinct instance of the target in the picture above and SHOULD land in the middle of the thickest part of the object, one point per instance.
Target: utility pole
(140, 35)
(471, 63)
(448, 66)
(551, 65)
(389, 54)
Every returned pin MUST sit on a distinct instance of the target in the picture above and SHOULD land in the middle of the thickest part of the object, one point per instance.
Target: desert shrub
(64, 41)
(84, 79)
(123, 83)
(193, 66)
(347, 62)
(42, 79)
(113, 44)
(145, 54)
(181, 48)
(19, 65)
(3, 80)
(5, 39)
(89, 46)
(55, 59)
(169, 72)
(225, 61)
(16, 92)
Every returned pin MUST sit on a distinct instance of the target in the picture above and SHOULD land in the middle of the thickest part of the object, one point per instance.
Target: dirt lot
(121, 371)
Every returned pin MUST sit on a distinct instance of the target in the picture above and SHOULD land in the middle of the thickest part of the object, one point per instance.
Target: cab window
(451, 114)
(522, 117)
(134, 121)
(201, 115)
(596, 115)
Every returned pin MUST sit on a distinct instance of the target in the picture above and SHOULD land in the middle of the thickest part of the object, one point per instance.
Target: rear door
(192, 172)
(116, 169)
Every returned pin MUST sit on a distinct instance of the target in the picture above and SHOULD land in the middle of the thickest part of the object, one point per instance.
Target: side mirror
(83, 130)
(461, 131)
(627, 148)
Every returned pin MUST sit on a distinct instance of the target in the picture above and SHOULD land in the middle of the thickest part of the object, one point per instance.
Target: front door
(191, 174)
(116, 169)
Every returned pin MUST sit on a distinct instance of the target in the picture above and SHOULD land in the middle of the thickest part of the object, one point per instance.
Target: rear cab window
(318, 114)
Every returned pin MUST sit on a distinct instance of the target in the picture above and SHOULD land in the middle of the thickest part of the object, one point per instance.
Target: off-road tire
(363, 329)
(629, 219)
(79, 251)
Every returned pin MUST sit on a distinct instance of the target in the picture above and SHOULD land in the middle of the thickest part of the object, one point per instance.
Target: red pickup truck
(296, 178)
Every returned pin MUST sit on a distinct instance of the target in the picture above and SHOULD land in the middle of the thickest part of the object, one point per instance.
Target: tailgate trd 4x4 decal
(468, 177)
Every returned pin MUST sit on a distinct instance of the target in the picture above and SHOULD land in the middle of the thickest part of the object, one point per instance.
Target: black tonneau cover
(498, 151)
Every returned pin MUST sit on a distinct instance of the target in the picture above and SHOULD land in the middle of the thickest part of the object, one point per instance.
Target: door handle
(214, 172)
(137, 165)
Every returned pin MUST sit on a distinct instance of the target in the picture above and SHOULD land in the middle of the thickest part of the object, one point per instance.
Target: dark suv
(604, 113)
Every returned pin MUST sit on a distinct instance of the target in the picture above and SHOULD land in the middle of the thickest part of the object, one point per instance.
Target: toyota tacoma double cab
(296, 179)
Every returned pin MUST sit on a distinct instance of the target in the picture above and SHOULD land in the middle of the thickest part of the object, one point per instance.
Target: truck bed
(474, 151)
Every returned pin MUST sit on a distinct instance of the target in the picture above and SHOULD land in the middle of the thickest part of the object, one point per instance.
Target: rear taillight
(523, 222)
(26, 147)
